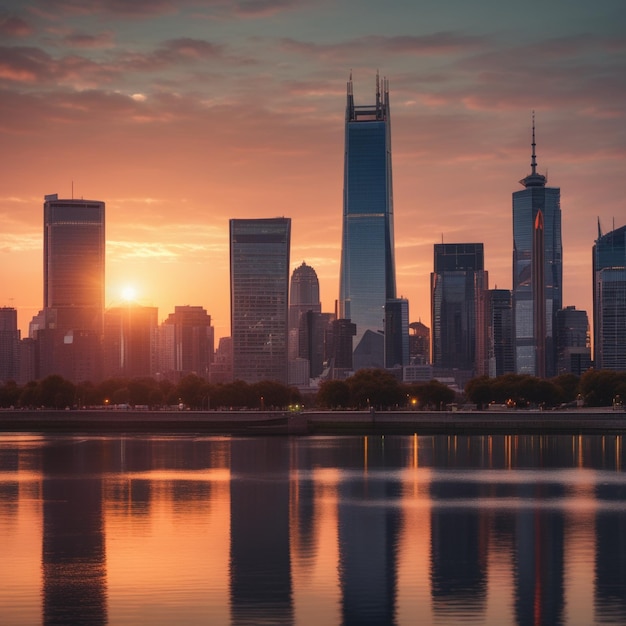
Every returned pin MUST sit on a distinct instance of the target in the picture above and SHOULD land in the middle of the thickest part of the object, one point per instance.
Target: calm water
(319, 530)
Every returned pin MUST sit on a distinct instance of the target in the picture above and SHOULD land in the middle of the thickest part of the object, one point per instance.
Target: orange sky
(181, 115)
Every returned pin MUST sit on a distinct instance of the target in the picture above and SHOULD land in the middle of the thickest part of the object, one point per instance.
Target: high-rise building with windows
(259, 286)
(73, 276)
(458, 295)
(396, 332)
(304, 296)
(367, 276)
(501, 360)
(186, 343)
(9, 345)
(130, 341)
(609, 300)
(537, 272)
(572, 341)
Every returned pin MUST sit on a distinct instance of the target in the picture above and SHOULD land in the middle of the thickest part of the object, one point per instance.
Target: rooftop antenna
(533, 163)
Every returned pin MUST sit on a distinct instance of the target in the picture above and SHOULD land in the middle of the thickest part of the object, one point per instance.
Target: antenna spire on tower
(533, 163)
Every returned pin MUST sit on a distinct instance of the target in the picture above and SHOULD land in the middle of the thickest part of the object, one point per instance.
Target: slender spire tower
(537, 271)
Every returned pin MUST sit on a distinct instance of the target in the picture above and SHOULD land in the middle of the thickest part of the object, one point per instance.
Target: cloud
(77, 39)
(442, 43)
(14, 26)
(129, 8)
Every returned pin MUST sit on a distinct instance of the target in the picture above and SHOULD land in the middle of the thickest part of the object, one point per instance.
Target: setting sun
(129, 293)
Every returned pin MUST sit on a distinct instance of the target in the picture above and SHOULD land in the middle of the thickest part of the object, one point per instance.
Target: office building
(367, 275)
(609, 300)
(313, 331)
(259, 285)
(9, 345)
(419, 343)
(73, 275)
(186, 343)
(572, 341)
(130, 341)
(221, 370)
(396, 333)
(501, 354)
(537, 272)
(458, 297)
(304, 296)
(339, 348)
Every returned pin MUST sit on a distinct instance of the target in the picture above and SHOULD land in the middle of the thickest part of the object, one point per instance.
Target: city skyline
(181, 118)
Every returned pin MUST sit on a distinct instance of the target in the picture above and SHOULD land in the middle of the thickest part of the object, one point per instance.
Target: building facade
(396, 333)
(73, 276)
(186, 343)
(458, 295)
(259, 286)
(609, 300)
(130, 341)
(572, 341)
(9, 345)
(502, 356)
(367, 275)
(304, 296)
(537, 272)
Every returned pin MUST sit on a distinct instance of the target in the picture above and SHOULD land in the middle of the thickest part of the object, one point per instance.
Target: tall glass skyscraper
(74, 259)
(368, 277)
(73, 280)
(537, 272)
(458, 301)
(609, 300)
(259, 286)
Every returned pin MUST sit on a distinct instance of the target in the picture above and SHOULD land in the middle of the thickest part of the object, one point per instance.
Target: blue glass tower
(609, 300)
(368, 276)
(537, 272)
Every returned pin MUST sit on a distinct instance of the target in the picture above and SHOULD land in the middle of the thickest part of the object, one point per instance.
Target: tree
(433, 394)
(56, 392)
(479, 391)
(375, 387)
(600, 387)
(333, 394)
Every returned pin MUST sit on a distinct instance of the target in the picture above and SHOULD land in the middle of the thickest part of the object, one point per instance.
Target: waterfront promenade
(575, 421)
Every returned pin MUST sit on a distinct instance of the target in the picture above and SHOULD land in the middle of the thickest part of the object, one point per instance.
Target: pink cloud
(14, 26)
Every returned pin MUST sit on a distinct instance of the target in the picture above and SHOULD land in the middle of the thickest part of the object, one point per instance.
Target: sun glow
(129, 293)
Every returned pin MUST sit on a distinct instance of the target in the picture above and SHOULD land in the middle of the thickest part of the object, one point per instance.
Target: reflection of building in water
(610, 566)
(260, 560)
(459, 529)
(539, 534)
(369, 532)
(73, 554)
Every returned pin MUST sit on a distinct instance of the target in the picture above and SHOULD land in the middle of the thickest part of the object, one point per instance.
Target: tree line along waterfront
(366, 389)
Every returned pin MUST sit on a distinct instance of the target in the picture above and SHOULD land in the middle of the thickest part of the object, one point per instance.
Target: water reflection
(73, 553)
(350, 530)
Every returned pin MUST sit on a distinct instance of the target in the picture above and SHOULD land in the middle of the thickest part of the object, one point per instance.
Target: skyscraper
(186, 343)
(130, 337)
(259, 285)
(572, 340)
(458, 296)
(609, 300)
(74, 261)
(501, 333)
(537, 272)
(367, 277)
(9, 345)
(396, 332)
(74, 256)
(304, 296)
